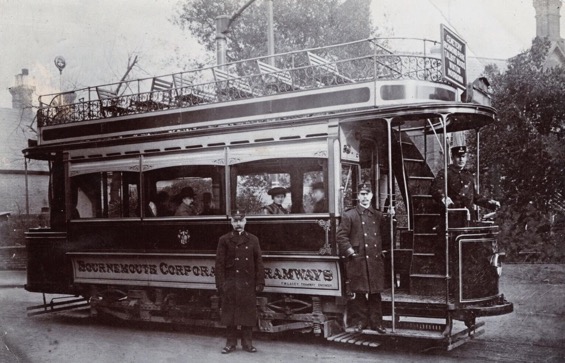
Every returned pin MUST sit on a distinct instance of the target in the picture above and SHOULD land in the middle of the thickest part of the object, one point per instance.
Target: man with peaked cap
(278, 194)
(240, 274)
(360, 243)
(186, 206)
(461, 190)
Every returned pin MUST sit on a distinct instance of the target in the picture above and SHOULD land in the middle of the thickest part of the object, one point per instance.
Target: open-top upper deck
(352, 76)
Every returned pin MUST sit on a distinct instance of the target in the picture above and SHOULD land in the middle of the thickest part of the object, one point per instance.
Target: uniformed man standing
(239, 275)
(461, 191)
(359, 241)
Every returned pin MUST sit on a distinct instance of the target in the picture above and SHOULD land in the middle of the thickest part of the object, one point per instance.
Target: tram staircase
(426, 274)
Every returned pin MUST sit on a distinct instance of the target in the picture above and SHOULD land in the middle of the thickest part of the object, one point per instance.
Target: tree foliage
(297, 24)
(524, 152)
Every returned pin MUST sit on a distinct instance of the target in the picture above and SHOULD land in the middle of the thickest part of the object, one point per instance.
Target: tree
(297, 24)
(523, 155)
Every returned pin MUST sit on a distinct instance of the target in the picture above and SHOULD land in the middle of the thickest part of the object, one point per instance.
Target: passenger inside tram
(278, 194)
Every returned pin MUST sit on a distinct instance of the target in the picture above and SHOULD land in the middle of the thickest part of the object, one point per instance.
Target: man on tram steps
(461, 191)
(240, 274)
(278, 194)
(359, 241)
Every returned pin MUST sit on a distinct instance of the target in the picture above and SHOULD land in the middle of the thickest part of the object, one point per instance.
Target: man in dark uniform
(461, 191)
(359, 241)
(278, 194)
(240, 274)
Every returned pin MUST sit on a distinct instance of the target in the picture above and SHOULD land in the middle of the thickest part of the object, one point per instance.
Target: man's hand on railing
(448, 202)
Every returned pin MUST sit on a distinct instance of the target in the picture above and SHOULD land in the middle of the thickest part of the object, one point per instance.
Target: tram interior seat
(187, 94)
(110, 103)
(232, 86)
(329, 73)
(277, 78)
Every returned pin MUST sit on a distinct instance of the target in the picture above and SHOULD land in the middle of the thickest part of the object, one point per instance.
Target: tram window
(252, 181)
(166, 187)
(252, 191)
(105, 195)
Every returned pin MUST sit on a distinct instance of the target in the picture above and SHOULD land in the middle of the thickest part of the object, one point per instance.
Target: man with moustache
(240, 274)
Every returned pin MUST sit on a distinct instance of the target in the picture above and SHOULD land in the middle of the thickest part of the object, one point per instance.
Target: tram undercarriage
(416, 317)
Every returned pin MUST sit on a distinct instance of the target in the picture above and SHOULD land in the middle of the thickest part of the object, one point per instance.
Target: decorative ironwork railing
(361, 61)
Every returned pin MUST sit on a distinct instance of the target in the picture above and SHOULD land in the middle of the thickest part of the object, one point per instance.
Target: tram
(335, 115)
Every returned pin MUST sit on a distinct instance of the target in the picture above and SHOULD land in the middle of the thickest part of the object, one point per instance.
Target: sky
(96, 37)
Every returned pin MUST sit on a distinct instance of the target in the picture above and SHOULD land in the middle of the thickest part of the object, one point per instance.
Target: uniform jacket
(460, 188)
(360, 229)
(239, 269)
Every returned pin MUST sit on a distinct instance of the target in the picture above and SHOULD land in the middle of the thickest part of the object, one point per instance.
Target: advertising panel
(302, 275)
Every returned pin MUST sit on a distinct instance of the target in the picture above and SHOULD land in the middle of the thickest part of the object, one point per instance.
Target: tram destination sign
(454, 57)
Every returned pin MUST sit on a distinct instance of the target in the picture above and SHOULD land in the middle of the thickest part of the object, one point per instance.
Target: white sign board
(315, 275)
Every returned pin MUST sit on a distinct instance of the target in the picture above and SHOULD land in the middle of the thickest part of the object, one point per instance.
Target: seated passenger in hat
(186, 207)
(319, 197)
(278, 194)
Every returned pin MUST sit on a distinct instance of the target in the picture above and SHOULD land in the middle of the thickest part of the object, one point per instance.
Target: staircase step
(429, 276)
(425, 264)
(424, 254)
(417, 177)
(414, 160)
(427, 284)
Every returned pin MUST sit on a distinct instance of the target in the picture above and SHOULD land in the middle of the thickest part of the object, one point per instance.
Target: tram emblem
(183, 236)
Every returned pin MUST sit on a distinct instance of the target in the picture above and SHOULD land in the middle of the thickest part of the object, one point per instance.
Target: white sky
(96, 37)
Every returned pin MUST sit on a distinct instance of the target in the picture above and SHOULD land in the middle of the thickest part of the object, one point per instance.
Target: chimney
(547, 19)
(22, 94)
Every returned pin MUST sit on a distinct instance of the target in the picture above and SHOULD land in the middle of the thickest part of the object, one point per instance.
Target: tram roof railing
(308, 69)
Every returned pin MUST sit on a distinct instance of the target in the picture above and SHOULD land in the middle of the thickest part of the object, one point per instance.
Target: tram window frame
(295, 171)
(174, 178)
(100, 195)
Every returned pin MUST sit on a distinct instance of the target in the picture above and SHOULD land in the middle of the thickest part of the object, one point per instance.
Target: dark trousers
(246, 331)
(363, 311)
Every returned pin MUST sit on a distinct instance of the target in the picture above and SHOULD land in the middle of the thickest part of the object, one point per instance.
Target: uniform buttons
(374, 234)
(366, 245)
(237, 258)
(367, 256)
(375, 245)
(246, 247)
(236, 270)
(246, 259)
(365, 234)
(362, 222)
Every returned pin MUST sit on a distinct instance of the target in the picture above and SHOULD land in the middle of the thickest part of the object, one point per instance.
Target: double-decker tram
(335, 117)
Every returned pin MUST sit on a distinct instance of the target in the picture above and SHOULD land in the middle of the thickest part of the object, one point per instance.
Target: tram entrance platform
(415, 330)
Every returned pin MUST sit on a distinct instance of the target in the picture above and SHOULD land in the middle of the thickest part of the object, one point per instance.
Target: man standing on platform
(359, 241)
(240, 274)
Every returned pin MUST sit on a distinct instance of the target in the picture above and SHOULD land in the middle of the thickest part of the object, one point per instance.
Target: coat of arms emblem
(183, 236)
